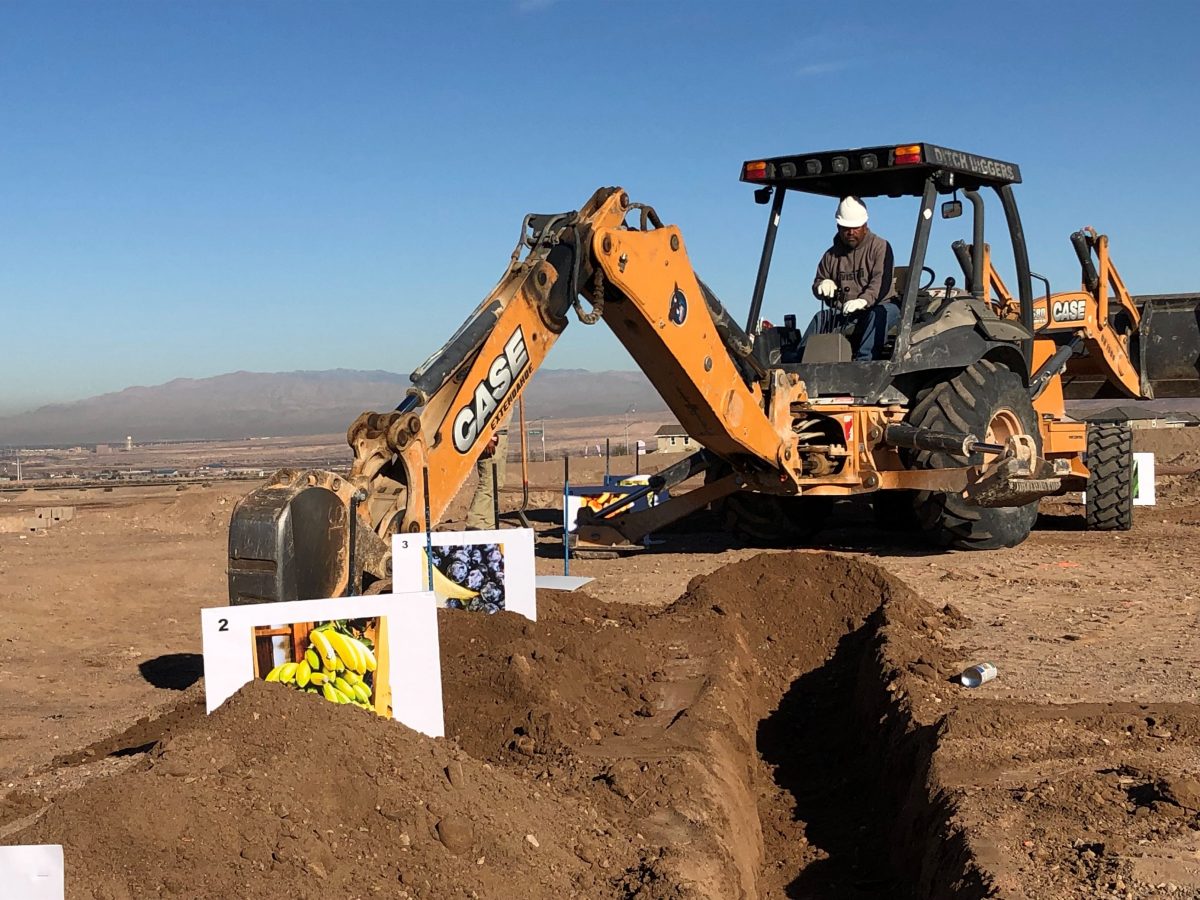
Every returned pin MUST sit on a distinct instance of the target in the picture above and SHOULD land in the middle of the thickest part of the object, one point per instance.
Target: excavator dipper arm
(318, 534)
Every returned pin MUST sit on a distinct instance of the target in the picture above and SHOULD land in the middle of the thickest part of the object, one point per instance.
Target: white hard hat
(851, 213)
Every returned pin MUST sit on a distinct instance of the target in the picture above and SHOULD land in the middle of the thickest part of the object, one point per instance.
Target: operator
(854, 279)
(480, 517)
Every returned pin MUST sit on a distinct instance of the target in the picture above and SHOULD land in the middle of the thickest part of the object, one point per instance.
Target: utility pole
(631, 409)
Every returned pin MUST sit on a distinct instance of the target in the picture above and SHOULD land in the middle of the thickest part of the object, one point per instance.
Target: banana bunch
(335, 665)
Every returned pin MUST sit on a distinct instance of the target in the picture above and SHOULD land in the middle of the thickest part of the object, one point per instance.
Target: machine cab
(938, 323)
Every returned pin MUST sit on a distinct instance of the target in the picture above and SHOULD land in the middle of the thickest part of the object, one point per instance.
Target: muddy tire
(990, 401)
(895, 511)
(765, 520)
(1110, 482)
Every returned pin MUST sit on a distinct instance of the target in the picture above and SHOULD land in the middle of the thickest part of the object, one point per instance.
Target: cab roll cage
(936, 182)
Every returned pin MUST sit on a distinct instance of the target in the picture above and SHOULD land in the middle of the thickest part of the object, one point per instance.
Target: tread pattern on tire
(966, 403)
(1110, 482)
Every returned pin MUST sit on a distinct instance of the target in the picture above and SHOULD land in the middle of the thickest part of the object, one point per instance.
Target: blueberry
(476, 555)
(462, 554)
(475, 579)
(491, 608)
(495, 558)
(475, 605)
(454, 604)
(457, 571)
(490, 592)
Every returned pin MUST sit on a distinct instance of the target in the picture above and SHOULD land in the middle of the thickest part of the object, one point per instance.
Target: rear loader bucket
(1166, 348)
(286, 542)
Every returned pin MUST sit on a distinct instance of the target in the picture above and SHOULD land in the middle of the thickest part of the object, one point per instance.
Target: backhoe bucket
(1166, 348)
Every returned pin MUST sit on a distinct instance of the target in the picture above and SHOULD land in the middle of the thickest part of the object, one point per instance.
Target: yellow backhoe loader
(960, 428)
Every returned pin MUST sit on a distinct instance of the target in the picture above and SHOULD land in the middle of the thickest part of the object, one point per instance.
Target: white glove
(827, 289)
(850, 307)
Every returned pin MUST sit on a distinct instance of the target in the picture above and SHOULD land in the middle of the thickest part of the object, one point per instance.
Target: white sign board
(479, 571)
(33, 872)
(379, 653)
(1143, 479)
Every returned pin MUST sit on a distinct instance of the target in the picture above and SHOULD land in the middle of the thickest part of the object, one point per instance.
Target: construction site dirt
(702, 720)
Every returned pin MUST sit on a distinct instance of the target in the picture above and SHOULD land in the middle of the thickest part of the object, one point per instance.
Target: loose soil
(788, 727)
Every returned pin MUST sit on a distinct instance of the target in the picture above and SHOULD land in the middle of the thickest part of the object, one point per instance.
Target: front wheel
(990, 401)
(1110, 480)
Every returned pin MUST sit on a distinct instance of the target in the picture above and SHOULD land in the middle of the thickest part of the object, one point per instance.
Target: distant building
(103, 449)
(673, 439)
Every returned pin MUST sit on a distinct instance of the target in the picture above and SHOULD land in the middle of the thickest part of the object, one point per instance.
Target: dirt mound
(625, 743)
(279, 794)
(786, 728)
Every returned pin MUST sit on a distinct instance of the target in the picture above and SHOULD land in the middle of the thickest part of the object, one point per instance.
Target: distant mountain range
(260, 404)
(254, 404)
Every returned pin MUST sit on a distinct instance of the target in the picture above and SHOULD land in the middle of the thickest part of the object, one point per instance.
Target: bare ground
(1073, 774)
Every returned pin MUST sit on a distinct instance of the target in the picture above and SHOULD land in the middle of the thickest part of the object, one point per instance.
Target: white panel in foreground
(244, 643)
(33, 871)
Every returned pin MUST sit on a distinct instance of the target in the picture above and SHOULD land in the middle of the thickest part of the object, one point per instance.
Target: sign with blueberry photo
(476, 571)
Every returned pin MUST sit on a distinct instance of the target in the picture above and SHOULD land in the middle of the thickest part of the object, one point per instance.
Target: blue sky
(188, 189)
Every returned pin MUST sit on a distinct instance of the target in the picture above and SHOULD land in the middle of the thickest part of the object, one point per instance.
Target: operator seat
(899, 283)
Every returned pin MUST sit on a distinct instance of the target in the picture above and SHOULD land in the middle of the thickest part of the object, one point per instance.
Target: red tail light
(755, 171)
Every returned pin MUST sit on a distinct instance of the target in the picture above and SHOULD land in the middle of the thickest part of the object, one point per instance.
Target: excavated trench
(754, 739)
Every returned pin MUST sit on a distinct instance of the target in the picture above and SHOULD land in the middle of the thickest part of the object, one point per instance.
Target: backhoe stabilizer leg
(1019, 477)
(629, 529)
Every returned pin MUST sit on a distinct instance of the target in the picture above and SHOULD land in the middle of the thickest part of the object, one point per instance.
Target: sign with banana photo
(378, 653)
(477, 571)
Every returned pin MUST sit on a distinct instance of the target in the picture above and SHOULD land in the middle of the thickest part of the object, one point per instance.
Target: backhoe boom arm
(409, 464)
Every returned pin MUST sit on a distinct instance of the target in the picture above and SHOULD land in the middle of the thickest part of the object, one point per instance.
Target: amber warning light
(755, 171)
(908, 154)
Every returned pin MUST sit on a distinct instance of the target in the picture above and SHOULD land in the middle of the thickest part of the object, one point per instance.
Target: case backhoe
(960, 429)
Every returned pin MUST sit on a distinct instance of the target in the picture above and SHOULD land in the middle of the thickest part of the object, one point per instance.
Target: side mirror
(762, 196)
(951, 209)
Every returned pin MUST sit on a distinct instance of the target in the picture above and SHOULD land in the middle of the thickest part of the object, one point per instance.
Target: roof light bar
(907, 155)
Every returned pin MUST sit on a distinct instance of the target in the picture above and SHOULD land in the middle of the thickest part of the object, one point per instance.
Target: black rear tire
(767, 520)
(1110, 480)
(895, 510)
(974, 400)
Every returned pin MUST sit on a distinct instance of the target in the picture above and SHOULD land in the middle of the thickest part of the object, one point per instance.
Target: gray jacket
(862, 272)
